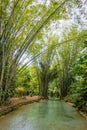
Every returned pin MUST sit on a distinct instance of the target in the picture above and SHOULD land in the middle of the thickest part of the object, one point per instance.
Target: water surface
(45, 115)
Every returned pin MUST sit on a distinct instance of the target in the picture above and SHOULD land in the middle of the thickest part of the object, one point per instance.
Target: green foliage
(21, 22)
(34, 85)
(79, 87)
(5, 95)
(23, 79)
(20, 91)
(26, 83)
(53, 88)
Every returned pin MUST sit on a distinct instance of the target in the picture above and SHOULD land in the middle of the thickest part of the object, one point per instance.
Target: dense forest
(43, 49)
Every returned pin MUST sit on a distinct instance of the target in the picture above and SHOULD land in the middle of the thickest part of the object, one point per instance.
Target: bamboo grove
(23, 27)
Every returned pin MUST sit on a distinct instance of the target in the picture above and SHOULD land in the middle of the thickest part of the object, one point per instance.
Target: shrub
(20, 91)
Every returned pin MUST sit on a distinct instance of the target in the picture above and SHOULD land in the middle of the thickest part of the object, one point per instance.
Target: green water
(45, 115)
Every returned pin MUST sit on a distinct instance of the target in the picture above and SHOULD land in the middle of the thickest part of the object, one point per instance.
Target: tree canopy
(43, 48)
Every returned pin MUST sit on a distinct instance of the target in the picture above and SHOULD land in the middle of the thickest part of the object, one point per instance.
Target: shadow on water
(51, 114)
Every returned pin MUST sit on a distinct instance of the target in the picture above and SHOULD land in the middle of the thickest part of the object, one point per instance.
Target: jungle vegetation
(43, 49)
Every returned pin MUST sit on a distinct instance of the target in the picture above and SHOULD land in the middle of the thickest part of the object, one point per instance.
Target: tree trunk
(44, 89)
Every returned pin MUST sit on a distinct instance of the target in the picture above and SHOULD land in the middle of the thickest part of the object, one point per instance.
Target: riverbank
(15, 103)
(81, 112)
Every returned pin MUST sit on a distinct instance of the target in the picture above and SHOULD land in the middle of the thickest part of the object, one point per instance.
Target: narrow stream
(45, 115)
